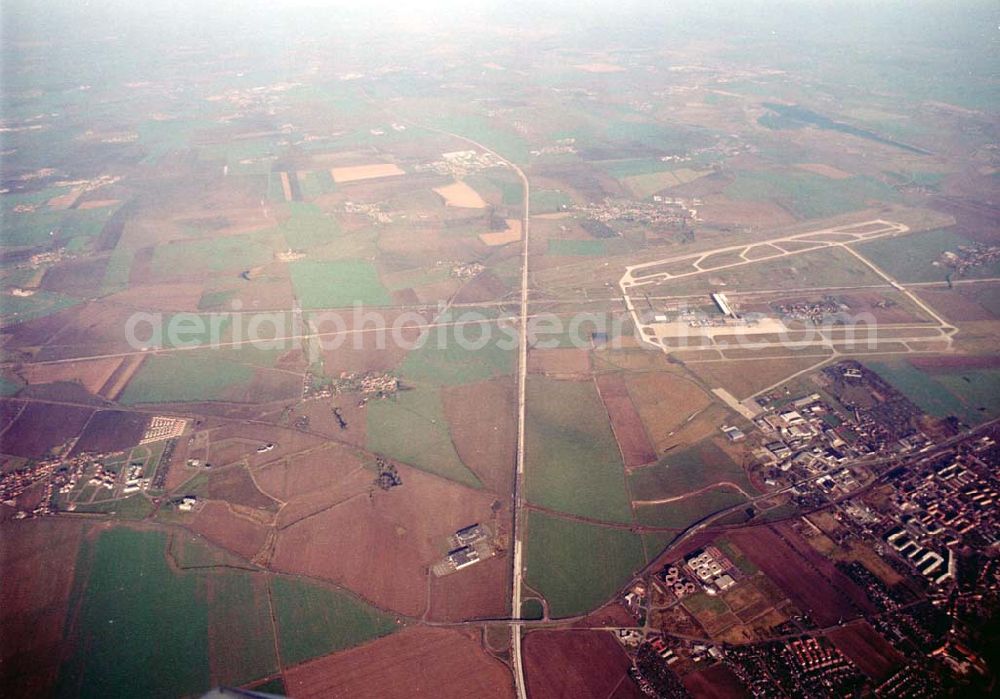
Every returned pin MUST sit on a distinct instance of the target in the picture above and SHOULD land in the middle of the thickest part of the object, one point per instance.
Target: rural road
(522, 375)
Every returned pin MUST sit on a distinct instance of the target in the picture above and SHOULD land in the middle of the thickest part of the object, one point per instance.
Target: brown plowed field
(559, 361)
(32, 333)
(478, 592)
(625, 421)
(305, 506)
(483, 429)
(868, 650)
(437, 292)
(714, 683)
(41, 427)
(111, 430)
(308, 472)
(217, 523)
(93, 329)
(286, 442)
(665, 401)
(486, 287)
(80, 278)
(119, 379)
(956, 305)
(612, 614)
(576, 664)
(33, 607)
(269, 385)
(415, 662)
(381, 547)
(723, 212)
(826, 599)
(235, 486)
(92, 373)
(161, 297)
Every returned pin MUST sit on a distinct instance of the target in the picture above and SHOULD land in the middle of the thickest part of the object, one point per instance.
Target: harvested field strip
(461, 195)
(356, 173)
(578, 566)
(626, 424)
(512, 234)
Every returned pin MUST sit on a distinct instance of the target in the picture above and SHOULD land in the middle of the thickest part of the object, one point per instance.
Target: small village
(661, 211)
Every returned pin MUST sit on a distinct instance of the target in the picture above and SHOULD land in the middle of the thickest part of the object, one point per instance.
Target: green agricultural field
(703, 602)
(546, 201)
(241, 637)
(972, 395)
(315, 183)
(208, 255)
(683, 513)
(573, 462)
(418, 277)
(18, 309)
(244, 149)
(314, 621)
(736, 555)
(308, 227)
(912, 258)
(576, 248)
(656, 542)
(809, 195)
(31, 229)
(620, 169)
(243, 354)
(116, 275)
(188, 551)
(135, 506)
(79, 227)
(685, 471)
(337, 284)
(141, 629)
(188, 330)
(179, 378)
(9, 385)
(532, 609)
(578, 566)
(654, 135)
(443, 360)
(482, 129)
(411, 427)
(144, 629)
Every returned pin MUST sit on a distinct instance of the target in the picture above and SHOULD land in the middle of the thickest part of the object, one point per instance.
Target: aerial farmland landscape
(500, 349)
